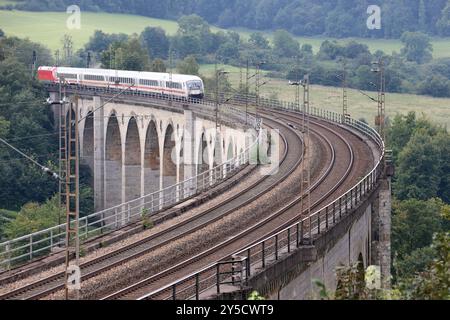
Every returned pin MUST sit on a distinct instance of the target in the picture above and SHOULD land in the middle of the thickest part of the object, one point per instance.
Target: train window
(194, 85)
(93, 77)
(149, 83)
(173, 85)
(67, 75)
(120, 80)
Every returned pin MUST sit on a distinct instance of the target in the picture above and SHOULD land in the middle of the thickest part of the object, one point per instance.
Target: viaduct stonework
(361, 238)
(133, 149)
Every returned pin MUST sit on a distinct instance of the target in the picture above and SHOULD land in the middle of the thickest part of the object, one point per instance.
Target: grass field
(330, 98)
(49, 27)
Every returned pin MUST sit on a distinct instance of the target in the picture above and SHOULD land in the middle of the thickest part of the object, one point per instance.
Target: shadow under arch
(132, 162)
(152, 160)
(169, 171)
(202, 162)
(113, 163)
(87, 160)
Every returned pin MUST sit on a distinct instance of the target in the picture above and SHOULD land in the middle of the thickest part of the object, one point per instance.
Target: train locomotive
(165, 84)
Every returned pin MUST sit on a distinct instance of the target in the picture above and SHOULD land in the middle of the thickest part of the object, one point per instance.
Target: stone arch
(181, 160)
(113, 163)
(169, 166)
(217, 151)
(87, 159)
(152, 159)
(229, 154)
(202, 156)
(361, 267)
(230, 150)
(269, 145)
(132, 161)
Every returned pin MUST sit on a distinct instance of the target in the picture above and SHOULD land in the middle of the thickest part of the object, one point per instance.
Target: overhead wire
(42, 167)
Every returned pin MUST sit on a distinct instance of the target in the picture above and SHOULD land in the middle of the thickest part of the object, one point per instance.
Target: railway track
(52, 284)
(90, 269)
(269, 225)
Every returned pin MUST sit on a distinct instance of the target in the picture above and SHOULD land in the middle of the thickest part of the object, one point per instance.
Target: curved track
(48, 285)
(342, 166)
(327, 188)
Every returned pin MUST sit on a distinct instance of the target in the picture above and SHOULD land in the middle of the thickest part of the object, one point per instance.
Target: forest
(333, 18)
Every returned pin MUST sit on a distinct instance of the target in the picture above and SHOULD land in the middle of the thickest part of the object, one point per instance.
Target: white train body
(183, 86)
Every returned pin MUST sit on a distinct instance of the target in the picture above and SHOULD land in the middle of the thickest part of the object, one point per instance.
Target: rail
(35, 245)
(302, 233)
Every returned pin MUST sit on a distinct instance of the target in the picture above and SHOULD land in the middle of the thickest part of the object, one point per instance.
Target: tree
(156, 42)
(417, 47)
(158, 66)
(442, 143)
(404, 127)
(21, 50)
(307, 49)
(2, 34)
(350, 283)
(185, 45)
(443, 24)
(364, 77)
(127, 55)
(414, 222)
(258, 40)
(23, 114)
(101, 41)
(434, 283)
(418, 170)
(436, 86)
(353, 49)
(6, 216)
(285, 45)
(412, 263)
(98, 42)
(330, 50)
(228, 51)
(34, 217)
(188, 66)
(339, 24)
(67, 49)
(193, 25)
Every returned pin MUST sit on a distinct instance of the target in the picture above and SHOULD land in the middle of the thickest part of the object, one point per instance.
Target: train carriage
(178, 85)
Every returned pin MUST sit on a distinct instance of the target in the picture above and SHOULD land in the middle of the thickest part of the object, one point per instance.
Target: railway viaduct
(135, 146)
(133, 149)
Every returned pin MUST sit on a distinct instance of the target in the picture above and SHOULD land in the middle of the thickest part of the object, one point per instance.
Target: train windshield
(194, 85)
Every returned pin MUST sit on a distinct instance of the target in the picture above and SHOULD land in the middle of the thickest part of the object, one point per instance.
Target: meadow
(49, 27)
(330, 98)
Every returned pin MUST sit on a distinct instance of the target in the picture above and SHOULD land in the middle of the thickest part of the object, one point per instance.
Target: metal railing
(272, 248)
(25, 248)
(213, 277)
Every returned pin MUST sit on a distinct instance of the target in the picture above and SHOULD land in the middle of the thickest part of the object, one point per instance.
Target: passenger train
(178, 85)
